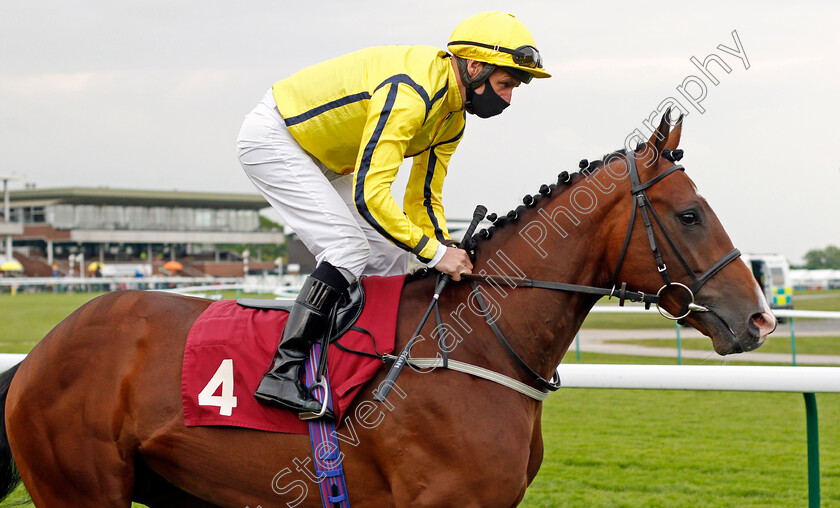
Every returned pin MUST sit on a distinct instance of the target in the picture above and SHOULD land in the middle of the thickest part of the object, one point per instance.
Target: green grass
(623, 447)
(26, 318)
(614, 321)
(799, 292)
(670, 448)
(832, 303)
(682, 448)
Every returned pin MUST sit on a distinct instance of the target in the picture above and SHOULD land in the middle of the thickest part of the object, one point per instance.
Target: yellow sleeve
(423, 195)
(396, 113)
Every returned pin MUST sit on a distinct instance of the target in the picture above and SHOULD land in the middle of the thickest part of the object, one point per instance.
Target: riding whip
(391, 378)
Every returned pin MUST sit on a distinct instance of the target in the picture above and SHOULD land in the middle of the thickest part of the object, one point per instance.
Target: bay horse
(93, 415)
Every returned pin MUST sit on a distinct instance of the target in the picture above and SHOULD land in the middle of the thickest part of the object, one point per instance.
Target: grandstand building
(119, 226)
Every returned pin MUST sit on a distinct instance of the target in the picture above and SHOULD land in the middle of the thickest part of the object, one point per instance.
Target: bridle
(642, 203)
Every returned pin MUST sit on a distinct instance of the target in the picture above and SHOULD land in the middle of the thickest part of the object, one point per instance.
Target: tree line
(829, 257)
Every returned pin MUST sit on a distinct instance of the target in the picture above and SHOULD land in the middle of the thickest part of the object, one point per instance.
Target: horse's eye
(690, 218)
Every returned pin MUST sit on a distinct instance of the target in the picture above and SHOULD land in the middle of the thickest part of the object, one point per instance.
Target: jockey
(325, 144)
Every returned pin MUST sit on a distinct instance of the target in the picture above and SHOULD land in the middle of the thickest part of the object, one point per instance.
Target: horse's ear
(674, 137)
(657, 142)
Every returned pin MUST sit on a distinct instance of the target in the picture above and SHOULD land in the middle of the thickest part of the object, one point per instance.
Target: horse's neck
(563, 239)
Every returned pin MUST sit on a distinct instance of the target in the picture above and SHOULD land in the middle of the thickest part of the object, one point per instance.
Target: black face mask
(486, 104)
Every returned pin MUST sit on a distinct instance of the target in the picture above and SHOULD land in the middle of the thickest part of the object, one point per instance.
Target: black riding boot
(307, 323)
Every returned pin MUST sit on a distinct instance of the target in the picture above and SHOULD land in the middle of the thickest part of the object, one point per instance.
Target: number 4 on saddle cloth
(230, 346)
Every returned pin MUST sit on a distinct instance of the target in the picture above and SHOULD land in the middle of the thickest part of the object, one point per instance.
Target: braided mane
(564, 181)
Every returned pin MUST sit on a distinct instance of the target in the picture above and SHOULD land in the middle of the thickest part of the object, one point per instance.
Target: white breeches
(314, 201)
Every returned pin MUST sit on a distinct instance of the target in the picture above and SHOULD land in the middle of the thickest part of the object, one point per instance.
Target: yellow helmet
(498, 39)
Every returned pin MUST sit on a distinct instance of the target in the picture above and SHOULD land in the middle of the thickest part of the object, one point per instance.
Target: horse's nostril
(765, 322)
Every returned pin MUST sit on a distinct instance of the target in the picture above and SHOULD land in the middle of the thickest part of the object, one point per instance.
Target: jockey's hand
(454, 263)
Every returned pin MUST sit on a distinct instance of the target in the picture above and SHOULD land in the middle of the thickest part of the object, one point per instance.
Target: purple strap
(325, 449)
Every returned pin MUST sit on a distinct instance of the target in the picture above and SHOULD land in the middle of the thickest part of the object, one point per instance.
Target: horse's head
(697, 255)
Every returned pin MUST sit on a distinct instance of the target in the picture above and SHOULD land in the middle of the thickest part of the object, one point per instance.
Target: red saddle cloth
(230, 347)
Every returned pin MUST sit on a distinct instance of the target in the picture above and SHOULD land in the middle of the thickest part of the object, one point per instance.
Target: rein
(642, 202)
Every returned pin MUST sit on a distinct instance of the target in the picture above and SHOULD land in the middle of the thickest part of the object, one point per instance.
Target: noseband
(642, 203)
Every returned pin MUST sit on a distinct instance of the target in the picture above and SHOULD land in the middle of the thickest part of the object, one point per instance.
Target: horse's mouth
(725, 339)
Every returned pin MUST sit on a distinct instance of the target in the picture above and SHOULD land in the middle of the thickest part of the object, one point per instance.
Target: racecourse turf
(621, 447)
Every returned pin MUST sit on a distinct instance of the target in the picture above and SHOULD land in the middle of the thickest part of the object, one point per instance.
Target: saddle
(348, 310)
(229, 345)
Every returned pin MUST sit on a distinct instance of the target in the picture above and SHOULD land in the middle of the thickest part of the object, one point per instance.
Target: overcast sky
(151, 95)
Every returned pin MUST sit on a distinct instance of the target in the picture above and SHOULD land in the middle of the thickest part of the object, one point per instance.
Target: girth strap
(323, 437)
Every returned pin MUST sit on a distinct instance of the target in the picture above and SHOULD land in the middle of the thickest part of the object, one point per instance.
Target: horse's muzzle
(732, 333)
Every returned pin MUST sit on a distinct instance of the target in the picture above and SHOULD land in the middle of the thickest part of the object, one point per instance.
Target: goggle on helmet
(491, 37)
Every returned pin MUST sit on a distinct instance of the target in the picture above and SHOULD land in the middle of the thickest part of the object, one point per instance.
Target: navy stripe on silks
(349, 99)
(404, 78)
(440, 93)
(427, 186)
(364, 167)
(342, 101)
